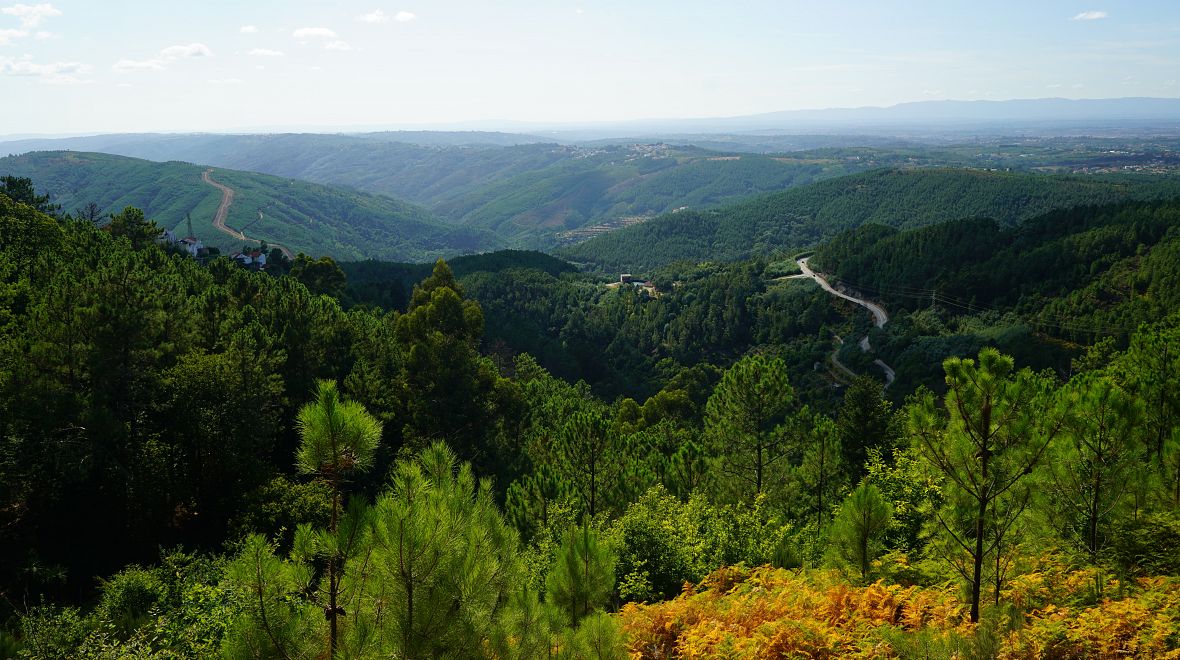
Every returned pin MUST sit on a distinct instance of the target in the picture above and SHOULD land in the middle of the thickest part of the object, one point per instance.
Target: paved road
(227, 198)
(879, 315)
(880, 318)
(835, 357)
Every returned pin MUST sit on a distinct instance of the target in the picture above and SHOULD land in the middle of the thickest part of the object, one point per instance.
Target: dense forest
(504, 457)
(291, 213)
(802, 217)
(522, 195)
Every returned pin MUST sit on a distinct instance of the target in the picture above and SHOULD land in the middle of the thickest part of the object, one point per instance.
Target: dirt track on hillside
(227, 198)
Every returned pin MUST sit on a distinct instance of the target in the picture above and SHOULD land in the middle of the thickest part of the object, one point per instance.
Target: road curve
(227, 198)
(880, 318)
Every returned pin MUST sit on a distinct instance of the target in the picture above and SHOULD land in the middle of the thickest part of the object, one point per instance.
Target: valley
(492, 394)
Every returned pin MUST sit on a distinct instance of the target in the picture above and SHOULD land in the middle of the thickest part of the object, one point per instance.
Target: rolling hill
(303, 216)
(804, 216)
(527, 193)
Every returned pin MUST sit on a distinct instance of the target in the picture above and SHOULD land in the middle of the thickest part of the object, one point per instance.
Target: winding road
(880, 318)
(227, 198)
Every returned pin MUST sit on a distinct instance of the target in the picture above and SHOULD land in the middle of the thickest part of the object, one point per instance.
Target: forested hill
(388, 284)
(307, 217)
(804, 216)
(1083, 273)
(528, 193)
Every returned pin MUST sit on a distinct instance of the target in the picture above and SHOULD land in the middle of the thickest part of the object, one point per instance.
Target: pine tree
(863, 423)
(997, 428)
(588, 451)
(338, 438)
(859, 527)
(445, 567)
(583, 576)
(744, 419)
(1091, 467)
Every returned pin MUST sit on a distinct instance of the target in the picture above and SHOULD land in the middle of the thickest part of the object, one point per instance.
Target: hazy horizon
(84, 68)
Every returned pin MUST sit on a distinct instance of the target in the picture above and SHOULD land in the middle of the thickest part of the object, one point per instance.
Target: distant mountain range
(916, 120)
(913, 119)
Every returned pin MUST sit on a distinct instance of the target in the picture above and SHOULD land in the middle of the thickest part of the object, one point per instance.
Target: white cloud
(375, 16)
(1089, 16)
(337, 45)
(316, 68)
(314, 33)
(1054, 86)
(31, 16)
(378, 16)
(139, 65)
(186, 50)
(226, 81)
(166, 56)
(248, 29)
(56, 72)
(265, 52)
(9, 34)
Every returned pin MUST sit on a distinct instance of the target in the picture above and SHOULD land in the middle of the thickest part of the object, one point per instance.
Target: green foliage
(131, 224)
(305, 217)
(745, 420)
(277, 507)
(997, 427)
(53, 633)
(663, 543)
(146, 393)
(908, 484)
(1078, 273)
(1092, 467)
(1147, 545)
(338, 436)
(172, 611)
(589, 459)
(864, 424)
(441, 575)
(804, 216)
(273, 624)
(597, 637)
(20, 190)
(445, 560)
(583, 577)
(451, 392)
(859, 528)
(321, 276)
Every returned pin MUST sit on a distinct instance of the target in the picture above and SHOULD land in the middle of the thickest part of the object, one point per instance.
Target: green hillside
(302, 216)
(388, 284)
(527, 193)
(803, 216)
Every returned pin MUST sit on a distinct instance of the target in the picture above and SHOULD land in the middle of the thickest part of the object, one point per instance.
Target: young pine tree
(859, 527)
(583, 577)
(338, 438)
(997, 426)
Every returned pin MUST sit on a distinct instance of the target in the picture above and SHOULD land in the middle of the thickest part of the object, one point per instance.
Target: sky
(89, 66)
